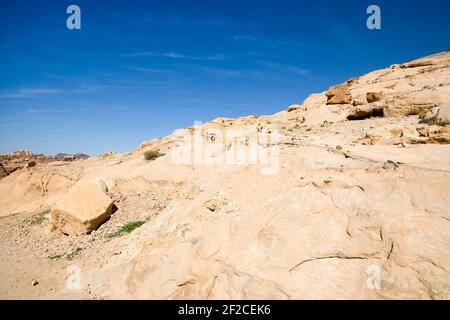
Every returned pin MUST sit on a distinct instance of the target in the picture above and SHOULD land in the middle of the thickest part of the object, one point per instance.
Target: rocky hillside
(344, 196)
(10, 162)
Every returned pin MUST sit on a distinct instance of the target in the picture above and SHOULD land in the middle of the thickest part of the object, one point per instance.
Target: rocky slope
(11, 162)
(344, 196)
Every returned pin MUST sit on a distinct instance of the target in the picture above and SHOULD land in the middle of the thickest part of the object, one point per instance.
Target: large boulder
(339, 95)
(82, 209)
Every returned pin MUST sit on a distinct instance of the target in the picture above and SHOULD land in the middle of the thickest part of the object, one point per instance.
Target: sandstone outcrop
(82, 209)
(339, 95)
(374, 96)
(294, 107)
(443, 114)
(355, 205)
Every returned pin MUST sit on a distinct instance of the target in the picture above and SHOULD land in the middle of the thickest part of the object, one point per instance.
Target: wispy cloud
(285, 68)
(92, 87)
(30, 93)
(222, 73)
(45, 110)
(215, 22)
(247, 37)
(149, 70)
(286, 46)
(174, 55)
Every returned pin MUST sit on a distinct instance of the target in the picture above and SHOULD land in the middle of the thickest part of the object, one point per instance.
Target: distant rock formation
(13, 161)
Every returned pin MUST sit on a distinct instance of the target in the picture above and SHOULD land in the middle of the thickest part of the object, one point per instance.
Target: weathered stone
(339, 95)
(365, 112)
(443, 115)
(417, 63)
(82, 209)
(294, 107)
(374, 96)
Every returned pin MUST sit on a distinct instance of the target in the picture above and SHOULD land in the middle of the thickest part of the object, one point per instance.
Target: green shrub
(31, 164)
(152, 155)
(130, 226)
(56, 257)
(39, 218)
(73, 254)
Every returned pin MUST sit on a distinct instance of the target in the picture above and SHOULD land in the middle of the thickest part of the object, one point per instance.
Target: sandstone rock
(365, 112)
(108, 154)
(359, 101)
(435, 134)
(339, 95)
(315, 100)
(3, 172)
(82, 209)
(411, 103)
(374, 96)
(443, 114)
(418, 63)
(294, 107)
(148, 144)
(19, 159)
(228, 232)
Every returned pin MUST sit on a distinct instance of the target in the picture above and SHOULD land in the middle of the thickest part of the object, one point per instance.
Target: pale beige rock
(82, 209)
(328, 224)
(444, 113)
(418, 63)
(108, 154)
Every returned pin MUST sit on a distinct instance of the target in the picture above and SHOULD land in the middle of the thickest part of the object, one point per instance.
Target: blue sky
(140, 69)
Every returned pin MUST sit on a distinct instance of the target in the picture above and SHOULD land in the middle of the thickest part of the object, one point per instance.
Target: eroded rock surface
(354, 207)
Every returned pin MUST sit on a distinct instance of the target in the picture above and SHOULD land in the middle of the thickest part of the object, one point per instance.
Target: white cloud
(30, 93)
(285, 68)
(174, 55)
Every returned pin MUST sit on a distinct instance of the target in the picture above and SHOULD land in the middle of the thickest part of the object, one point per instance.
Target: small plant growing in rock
(151, 155)
(39, 218)
(31, 164)
(130, 226)
(56, 257)
(73, 254)
(433, 120)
